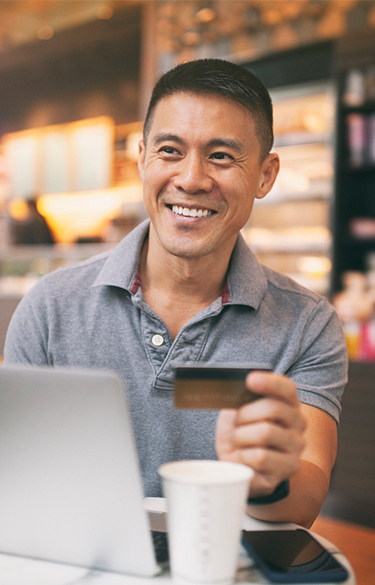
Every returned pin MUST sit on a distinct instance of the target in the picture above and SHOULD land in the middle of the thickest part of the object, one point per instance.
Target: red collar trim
(138, 282)
(225, 294)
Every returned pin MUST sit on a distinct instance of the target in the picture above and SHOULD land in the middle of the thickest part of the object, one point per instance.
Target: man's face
(201, 172)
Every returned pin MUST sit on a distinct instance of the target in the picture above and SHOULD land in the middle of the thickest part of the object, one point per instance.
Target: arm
(280, 438)
(27, 336)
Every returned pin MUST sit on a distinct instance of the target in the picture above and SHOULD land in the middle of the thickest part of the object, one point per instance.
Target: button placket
(156, 339)
(187, 347)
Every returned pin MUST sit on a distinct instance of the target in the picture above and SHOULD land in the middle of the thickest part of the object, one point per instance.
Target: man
(185, 287)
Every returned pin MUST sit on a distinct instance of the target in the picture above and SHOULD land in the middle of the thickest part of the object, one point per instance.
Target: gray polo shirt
(93, 315)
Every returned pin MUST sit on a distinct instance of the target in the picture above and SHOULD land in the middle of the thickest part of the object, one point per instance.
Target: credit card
(202, 386)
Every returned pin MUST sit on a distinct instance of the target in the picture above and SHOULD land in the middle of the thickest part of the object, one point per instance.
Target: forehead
(184, 111)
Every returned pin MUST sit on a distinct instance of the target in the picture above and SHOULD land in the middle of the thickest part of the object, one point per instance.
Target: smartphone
(213, 386)
(292, 556)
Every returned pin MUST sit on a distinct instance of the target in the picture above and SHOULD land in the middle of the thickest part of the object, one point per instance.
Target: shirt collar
(121, 266)
(246, 282)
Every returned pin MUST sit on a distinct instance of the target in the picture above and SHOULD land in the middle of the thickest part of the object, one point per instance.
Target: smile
(190, 212)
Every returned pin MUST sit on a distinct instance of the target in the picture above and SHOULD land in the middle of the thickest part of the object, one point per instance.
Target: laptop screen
(70, 488)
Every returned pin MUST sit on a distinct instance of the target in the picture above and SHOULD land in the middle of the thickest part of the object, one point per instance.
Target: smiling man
(202, 168)
(184, 287)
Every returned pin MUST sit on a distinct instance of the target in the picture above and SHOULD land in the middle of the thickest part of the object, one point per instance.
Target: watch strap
(280, 493)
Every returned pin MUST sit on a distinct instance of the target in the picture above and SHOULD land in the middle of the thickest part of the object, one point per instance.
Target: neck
(201, 278)
(178, 288)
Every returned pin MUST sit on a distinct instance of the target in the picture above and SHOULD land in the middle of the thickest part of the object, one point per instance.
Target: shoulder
(83, 281)
(254, 284)
(68, 280)
(286, 289)
(289, 303)
(82, 273)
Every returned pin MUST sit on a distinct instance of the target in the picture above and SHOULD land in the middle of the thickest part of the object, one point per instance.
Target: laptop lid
(70, 485)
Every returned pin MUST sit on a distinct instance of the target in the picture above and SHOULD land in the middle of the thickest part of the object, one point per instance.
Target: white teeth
(190, 212)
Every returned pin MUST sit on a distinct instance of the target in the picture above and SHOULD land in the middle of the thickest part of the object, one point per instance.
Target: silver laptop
(70, 486)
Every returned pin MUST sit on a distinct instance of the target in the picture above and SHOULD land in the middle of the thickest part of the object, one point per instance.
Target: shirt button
(157, 340)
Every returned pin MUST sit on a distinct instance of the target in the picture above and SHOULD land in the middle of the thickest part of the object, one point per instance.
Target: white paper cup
(205, 503)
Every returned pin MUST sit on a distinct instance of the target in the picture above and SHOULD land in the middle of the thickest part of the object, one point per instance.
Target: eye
(221, 156)
(169, 150)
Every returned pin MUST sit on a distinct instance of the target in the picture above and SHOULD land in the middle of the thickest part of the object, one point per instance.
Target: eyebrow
(161, 137)
(214, 142)
(228, 142)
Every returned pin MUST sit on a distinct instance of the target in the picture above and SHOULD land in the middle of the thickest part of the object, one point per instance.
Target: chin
(183, 253)
(188, 252)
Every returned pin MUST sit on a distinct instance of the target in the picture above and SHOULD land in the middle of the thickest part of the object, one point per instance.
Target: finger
(264, 485)
(272, 385)
(270, 463)
(227, 418)
(226, 423)
(271, 410)
(268, 436)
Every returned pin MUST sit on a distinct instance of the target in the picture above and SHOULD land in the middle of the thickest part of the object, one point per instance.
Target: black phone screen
(292, 556)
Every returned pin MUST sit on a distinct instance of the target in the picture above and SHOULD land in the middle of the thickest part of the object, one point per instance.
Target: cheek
(241, 195)
(154, 186)
(155, 178)
(149, 183)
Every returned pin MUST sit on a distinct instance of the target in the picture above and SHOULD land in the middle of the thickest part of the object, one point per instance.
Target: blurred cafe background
(75, 79)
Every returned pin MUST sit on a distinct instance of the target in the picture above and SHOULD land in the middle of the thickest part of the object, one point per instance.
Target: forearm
(308, 490)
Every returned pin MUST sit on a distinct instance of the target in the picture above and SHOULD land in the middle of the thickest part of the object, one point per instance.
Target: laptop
(70, 485)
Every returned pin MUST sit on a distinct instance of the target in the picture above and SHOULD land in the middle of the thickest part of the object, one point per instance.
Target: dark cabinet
(352, 491)
(354, 209)
(348, 64)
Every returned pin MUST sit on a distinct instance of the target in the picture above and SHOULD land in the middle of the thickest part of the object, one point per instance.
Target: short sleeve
(27, 336)
(320, 372)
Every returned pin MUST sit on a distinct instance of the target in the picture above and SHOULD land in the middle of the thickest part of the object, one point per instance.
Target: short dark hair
(216, 76)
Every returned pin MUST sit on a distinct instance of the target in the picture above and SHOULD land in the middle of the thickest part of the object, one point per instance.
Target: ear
(141, 158)
(269, 171)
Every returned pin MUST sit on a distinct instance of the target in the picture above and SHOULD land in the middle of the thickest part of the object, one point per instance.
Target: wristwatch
(280, 492)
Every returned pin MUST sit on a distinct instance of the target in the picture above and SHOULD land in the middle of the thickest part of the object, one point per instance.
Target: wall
(84, 72)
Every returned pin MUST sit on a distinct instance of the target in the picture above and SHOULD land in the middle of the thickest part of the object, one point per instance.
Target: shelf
(22, 266)
(365, 108)
(291, 249)
(358, 242)
(299, 138)
(15, 287)
(288, 247)
(58, 251)
(363, 169)
(11, 297)
(275, 200)
(323, 192)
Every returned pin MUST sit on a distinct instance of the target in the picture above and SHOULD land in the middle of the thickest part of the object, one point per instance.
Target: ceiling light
(191, 38)
(45, 32)
(206, 14)
(104, 12)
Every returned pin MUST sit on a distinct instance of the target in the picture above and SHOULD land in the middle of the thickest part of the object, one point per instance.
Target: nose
(192, 176)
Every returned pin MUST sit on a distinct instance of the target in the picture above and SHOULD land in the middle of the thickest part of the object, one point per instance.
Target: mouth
(190, 211)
